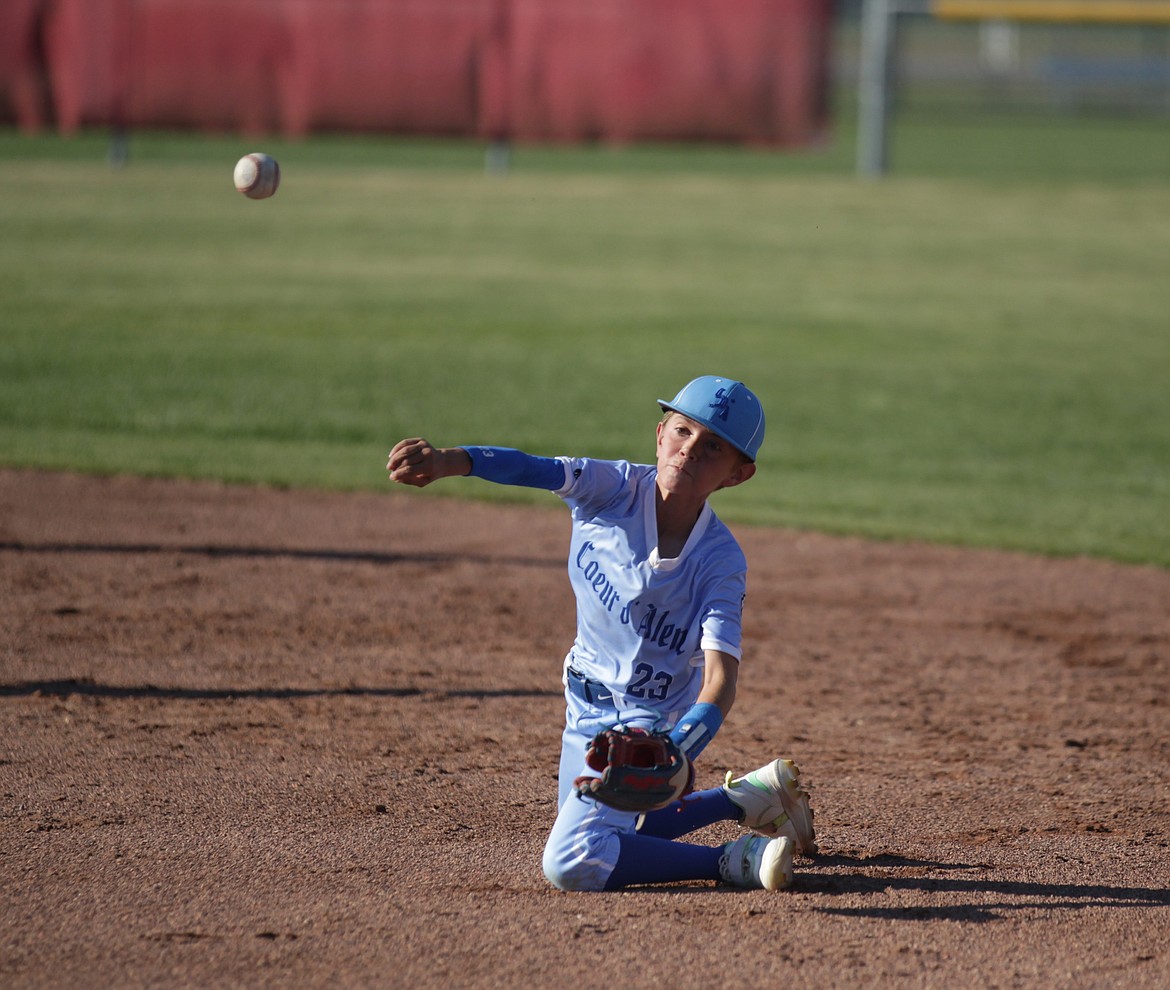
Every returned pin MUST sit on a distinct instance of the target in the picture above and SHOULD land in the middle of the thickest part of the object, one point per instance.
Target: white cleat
(774, 804)
(753, 861)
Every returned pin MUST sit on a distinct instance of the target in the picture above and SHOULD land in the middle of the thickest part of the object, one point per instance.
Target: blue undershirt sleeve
(506, 466)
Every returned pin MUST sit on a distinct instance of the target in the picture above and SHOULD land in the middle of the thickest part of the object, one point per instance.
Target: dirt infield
(268, 739)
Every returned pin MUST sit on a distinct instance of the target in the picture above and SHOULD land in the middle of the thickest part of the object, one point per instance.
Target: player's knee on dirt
(578, 866)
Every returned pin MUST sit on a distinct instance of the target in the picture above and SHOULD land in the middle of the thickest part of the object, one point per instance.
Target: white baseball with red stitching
(257, 175)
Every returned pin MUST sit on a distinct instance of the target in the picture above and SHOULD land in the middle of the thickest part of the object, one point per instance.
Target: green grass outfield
(975, 350)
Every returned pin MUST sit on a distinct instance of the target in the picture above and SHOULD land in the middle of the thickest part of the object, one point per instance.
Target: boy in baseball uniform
(659, 583)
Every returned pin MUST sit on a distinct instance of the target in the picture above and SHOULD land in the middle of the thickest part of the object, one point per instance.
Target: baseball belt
(590, 691)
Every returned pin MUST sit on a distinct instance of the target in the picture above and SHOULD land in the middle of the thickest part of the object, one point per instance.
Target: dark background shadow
(1005, 896)
(213, 550)
(70, 687)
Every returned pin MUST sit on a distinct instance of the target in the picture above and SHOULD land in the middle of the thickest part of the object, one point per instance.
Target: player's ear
(742, 473)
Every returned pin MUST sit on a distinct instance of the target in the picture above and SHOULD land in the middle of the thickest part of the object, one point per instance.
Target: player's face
(694, 461)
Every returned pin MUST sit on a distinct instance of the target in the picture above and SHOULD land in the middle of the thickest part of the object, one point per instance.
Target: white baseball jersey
(643, 622)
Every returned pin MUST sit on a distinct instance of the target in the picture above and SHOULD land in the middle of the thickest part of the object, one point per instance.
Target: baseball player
(659, 582)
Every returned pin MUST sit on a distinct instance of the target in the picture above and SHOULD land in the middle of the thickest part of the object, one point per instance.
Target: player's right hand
(416, 462)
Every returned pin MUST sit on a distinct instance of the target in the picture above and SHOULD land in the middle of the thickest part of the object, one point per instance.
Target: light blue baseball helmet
(727, 408)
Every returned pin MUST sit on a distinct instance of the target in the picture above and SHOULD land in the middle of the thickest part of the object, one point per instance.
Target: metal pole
(875, 80)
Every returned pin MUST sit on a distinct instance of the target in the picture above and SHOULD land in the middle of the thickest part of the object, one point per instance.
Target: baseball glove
(641, 770)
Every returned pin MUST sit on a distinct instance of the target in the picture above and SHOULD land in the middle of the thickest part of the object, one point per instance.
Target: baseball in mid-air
(257, 175)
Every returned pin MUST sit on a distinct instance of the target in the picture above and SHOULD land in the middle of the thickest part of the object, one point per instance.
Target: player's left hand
(641, 770)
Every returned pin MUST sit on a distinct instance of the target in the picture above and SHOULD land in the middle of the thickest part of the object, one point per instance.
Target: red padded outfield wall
(526, 70)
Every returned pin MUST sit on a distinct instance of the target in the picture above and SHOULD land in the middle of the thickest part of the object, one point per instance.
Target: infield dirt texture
(274, 739)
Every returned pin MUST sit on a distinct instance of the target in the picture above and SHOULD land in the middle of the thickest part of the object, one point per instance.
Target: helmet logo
(721, 405)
